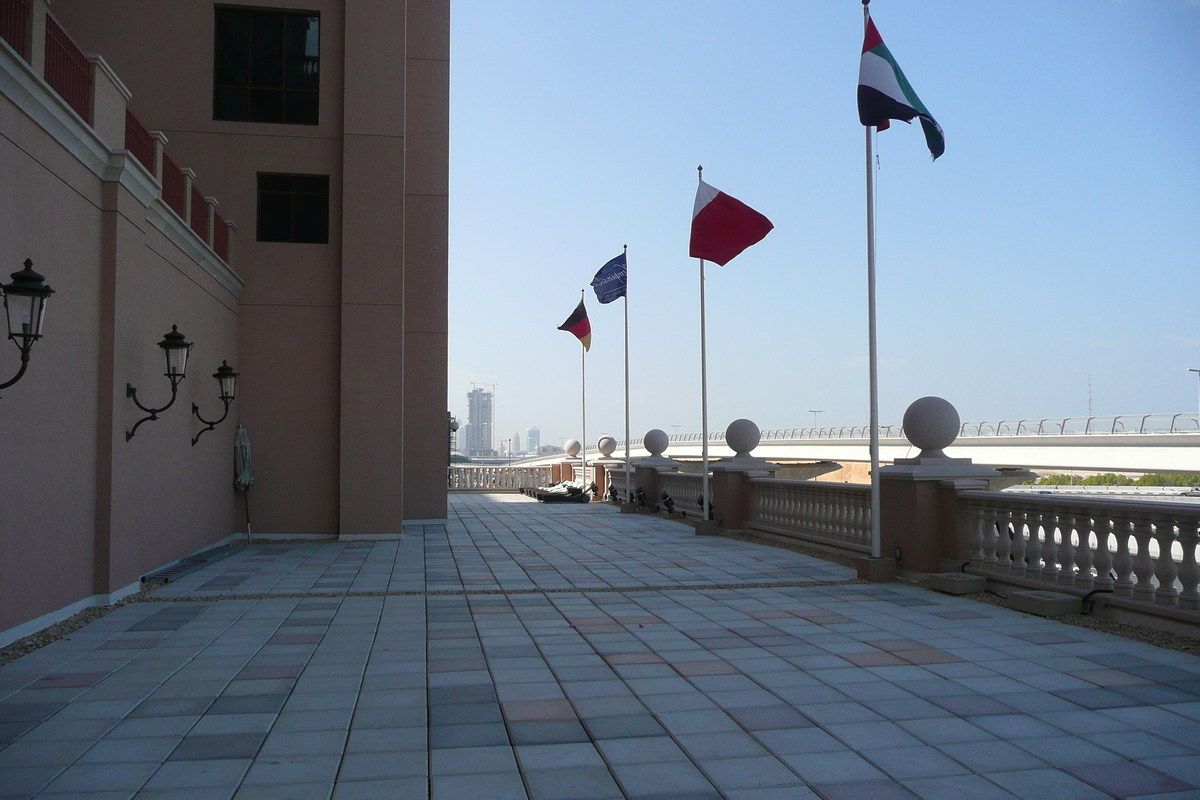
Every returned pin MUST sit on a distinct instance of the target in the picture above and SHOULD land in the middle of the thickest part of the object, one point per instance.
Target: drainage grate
(189, 564)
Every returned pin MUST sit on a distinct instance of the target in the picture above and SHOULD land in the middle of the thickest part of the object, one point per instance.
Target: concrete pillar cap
(656, 442)
(931, 424)
(742, 436)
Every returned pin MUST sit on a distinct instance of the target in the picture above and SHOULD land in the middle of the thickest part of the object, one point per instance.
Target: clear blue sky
(1059, 236)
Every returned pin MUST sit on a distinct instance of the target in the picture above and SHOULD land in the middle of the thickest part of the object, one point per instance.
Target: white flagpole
(704, 496)
(583, 402)
(873, 356)
(628, 479)
(703, 399)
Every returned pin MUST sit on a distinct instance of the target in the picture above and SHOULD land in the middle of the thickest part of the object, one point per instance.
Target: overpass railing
(498, 478)
(1182, 422)
(1144, 552)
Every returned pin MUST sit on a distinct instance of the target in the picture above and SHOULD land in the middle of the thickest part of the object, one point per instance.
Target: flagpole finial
(700, 171)
(866, 2)
(625, 247)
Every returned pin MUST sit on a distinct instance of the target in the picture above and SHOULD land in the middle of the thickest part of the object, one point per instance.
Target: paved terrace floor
(574, 653)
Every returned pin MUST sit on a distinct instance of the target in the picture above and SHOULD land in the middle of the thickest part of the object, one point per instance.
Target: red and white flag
(723, 226)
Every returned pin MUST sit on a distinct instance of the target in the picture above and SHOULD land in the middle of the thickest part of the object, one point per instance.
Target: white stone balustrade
(1143, 551)
(500, 478)
(826, 513)
(684, 488)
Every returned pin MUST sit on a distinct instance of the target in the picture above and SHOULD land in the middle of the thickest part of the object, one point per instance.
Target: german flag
(579, 325)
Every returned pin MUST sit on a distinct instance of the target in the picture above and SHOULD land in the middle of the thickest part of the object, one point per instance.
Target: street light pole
(814, 413)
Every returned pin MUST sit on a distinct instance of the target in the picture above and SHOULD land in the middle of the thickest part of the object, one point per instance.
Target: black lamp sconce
(176, 348)
(25, 305)
(227, 381)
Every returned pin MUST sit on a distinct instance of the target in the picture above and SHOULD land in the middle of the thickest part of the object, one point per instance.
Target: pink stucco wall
(344, 379)
(85, 512)
(341, 347)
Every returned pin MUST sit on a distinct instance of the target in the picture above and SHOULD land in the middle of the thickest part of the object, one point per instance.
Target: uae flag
(722, 226)
(884, 93)
(579, 325)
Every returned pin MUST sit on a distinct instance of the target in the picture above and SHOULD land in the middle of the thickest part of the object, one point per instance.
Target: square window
(266, 65)
(293, 208)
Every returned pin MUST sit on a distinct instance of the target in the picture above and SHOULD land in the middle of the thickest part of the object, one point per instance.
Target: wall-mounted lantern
(452, 425)
(25, 305)
(175, 348)
(227, 382)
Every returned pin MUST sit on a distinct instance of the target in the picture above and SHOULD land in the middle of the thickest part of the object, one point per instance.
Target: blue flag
(609, 282)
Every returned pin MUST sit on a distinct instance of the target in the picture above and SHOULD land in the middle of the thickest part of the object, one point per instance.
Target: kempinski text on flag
(610, 281)
(579, 325)
(885, 94)
(723, 226)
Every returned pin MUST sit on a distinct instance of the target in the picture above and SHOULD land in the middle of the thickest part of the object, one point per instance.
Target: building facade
(321, 136)
(481, 421)
(533, 439)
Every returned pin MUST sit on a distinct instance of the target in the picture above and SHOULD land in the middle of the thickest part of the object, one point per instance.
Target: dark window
(266, 66)
(293, 208)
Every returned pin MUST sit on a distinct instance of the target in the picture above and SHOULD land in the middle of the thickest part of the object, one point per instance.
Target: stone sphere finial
(656, 442)
(572, 447)
(742, 436)
(606, 445)
(931, 424)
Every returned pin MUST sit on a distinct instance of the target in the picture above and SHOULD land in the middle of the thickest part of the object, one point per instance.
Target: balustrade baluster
(1189, 570)
(1122, 560)
(1143, 564)
(864, 519)
(1165, 568)
(1033, 548)
(1084, 525)
(988, 538)
(976, 514)
(1066, 547)
(840, 530)
(1017, 564)
(1049, 573)
(1105, 542)
(1000, 522)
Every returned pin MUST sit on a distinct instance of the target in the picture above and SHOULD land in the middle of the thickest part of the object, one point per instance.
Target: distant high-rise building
(481, 420)
(516, 443)
(533, 439)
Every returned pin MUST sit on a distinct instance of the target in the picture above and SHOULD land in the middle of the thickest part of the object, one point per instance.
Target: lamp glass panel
(176, 360)
(24, 314)
(228, 386)
(39, 314)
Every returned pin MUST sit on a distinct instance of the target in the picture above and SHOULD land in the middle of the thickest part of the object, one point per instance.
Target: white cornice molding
(99, 63)
(34, 97)
(50, 112)
(164, 218)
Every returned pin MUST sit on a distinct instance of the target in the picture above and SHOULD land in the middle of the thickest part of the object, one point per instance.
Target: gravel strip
(58, 630)
(673, 587)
